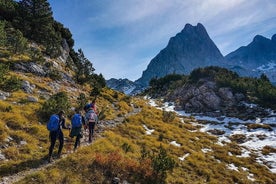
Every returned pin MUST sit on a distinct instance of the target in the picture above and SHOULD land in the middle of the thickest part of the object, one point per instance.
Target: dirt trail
(68, 147)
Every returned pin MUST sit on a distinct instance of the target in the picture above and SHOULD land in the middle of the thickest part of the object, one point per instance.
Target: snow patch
(255, 139)
(232, 167)
(184, 156)
(205, 150)
(175, 144)
(266, 67)
(148, 131)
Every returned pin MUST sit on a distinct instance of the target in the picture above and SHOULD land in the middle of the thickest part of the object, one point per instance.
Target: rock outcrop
(206, 97)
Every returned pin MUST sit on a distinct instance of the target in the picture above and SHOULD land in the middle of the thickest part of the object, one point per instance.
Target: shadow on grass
(10, 169)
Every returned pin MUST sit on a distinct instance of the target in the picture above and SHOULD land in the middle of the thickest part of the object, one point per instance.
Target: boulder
(32, 99)
(30, 67)
(4, 95)
(27, 87)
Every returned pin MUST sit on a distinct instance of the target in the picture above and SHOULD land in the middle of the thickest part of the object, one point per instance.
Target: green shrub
(57, 102)
(11, 84)
(54, 74)
(168, 116)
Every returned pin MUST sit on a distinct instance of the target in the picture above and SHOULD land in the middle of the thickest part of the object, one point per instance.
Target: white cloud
(123, 33)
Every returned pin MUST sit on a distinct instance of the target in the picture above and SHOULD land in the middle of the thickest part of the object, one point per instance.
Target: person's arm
(62, 122)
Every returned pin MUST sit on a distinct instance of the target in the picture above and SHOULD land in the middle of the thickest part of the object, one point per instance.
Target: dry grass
(118, 152)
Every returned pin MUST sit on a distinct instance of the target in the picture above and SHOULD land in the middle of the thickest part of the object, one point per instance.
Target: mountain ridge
(193, 48)
(179, 54)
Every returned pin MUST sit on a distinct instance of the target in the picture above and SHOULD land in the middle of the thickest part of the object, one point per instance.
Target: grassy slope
(107, 157)
(118, 152)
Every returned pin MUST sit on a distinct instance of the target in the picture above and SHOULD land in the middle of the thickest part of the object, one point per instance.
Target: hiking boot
(59, 155)
(50, 159)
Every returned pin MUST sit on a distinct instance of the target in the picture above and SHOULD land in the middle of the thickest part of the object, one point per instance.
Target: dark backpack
(53, 123)
(76, 120)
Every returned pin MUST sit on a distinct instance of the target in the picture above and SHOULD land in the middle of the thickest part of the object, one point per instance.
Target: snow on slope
(255, 140)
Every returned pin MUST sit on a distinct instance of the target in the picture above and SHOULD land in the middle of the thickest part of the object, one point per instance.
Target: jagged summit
(273, 38)
(187, 50)
(256, 58)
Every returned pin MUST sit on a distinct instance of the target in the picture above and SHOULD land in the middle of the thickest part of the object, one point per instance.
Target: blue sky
(120, 37)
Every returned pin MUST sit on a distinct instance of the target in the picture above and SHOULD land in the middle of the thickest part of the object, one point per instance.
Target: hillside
(135, 142)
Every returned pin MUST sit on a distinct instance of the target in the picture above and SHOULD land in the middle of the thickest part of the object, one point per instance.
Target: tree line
(257, 90)
(25, 22)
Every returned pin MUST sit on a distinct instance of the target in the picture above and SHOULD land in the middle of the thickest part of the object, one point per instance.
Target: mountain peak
(273, 38)
(189, 49)
(190, 28)
(260, 38)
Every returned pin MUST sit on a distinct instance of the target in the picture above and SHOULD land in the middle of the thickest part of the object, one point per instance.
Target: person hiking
(55, 125)
(91, 105)
(76, 131)
(91, 119)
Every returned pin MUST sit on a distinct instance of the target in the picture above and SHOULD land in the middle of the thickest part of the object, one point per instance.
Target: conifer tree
(7, 10)
(3, 36)
(36, 22)
(36, 17)
(84, 72)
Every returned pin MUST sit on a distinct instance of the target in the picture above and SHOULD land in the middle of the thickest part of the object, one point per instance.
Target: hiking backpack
(76, 120)
(92, 117)
(53, 123)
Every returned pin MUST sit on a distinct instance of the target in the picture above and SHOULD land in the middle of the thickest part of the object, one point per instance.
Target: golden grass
(118, 152)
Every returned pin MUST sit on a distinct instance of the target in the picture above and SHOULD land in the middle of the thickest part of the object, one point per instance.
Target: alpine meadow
(193, 117)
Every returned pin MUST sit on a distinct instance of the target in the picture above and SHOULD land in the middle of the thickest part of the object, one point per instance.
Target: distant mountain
(189, 49)
(256, 58)
(192, 48)
(123, 85)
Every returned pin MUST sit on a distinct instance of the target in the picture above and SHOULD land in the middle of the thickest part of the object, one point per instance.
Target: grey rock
(4, 95)
(30, 67)
(23, 142)
(32, 99)
(115, 180)
(2, 157)
(55, 86)
(27, 87)
(226, 93)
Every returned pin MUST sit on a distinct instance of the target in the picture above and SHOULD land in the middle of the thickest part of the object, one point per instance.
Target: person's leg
(93, 127)
(53, 137)
(77, 143)
(61, 142)
(90, 131)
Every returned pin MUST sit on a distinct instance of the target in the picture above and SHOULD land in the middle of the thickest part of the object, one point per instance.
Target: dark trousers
(77, 143)
(91, 126)
(54, 135)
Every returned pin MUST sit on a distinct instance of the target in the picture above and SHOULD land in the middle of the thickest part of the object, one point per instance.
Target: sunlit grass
(118, 151)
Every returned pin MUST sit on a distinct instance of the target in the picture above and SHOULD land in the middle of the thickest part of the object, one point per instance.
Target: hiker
(76, 131)
(91, 105)
(91, 119)
(55, 125)
(94, 107)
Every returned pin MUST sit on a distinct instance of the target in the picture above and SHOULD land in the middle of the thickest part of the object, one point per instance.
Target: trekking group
(57, 122)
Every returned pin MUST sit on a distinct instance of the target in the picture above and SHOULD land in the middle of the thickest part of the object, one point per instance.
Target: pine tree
(37, 18)
(15, 41)
(36, 22)
(7, 10)
(3, 35)
(84, 72)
